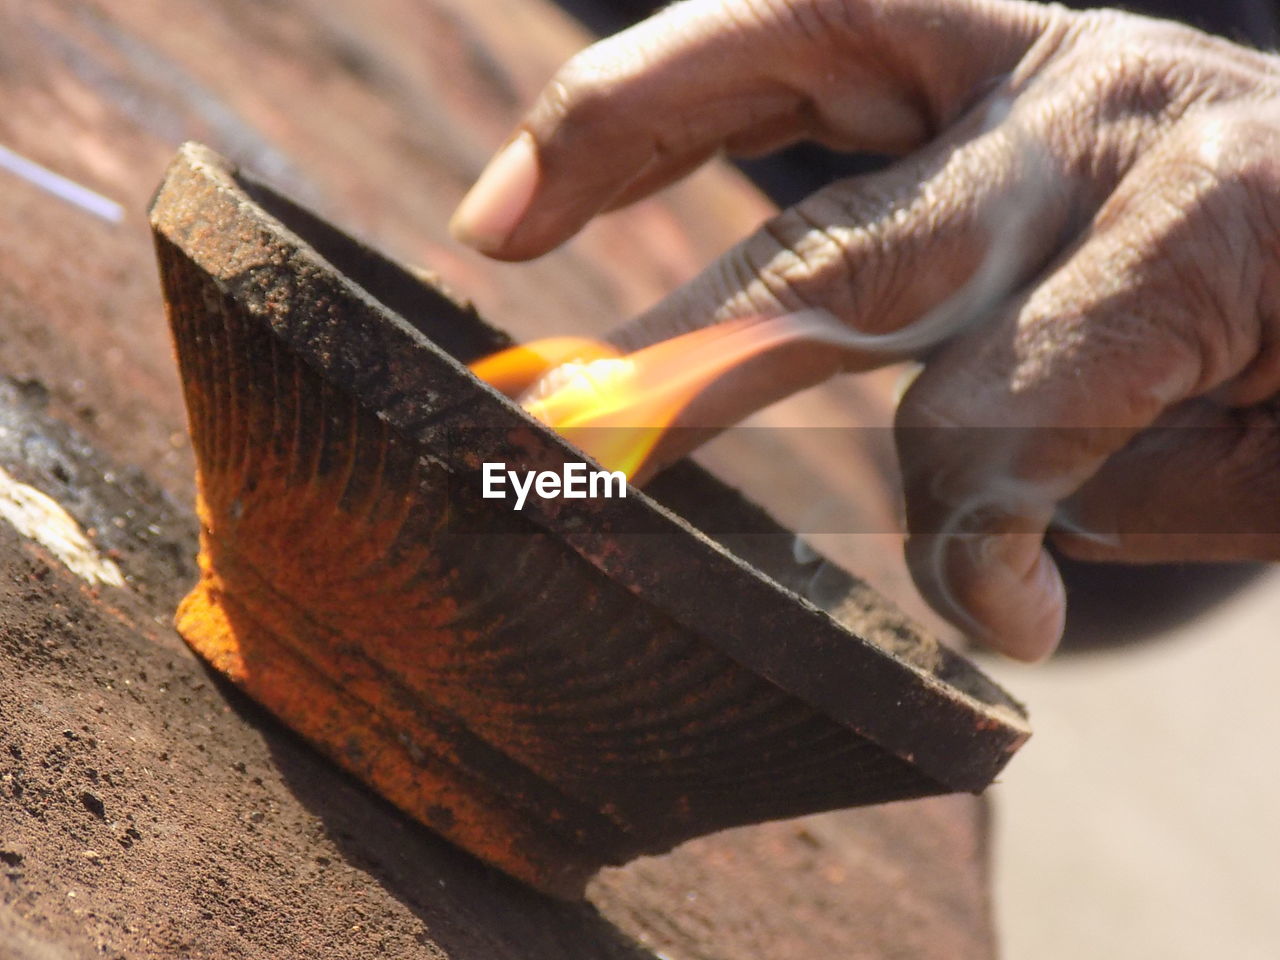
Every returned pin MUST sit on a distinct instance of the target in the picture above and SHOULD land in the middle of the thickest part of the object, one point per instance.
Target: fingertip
(1030, 627)
(980, 588)
(497, 203)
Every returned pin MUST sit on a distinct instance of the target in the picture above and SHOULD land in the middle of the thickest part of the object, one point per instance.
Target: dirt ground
(148, 810)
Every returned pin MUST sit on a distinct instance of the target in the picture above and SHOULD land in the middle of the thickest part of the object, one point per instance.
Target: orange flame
(515, 370)
(616, 407)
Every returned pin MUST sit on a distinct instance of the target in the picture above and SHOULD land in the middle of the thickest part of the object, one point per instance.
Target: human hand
(1121, 175)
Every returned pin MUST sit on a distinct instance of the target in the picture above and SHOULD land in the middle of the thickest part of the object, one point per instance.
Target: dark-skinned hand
(1112, 382)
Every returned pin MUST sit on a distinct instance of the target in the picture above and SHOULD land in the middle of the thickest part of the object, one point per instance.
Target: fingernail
(1047, 612)
(494, 206)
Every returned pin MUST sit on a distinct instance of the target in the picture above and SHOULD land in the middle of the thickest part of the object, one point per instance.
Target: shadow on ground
(472, 911)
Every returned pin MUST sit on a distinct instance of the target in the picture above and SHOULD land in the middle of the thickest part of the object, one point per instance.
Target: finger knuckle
(796, 260)
(811, 251)
(1238, 146)
(744, 282)
(1257, 449)
(578, 96)
(819, 21)
(1237, 454)
(1225, 181)
(1136, 66)
(1128, 76)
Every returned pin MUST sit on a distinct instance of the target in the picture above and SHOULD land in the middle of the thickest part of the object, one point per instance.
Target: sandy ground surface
(146, 810)
(1140, 821)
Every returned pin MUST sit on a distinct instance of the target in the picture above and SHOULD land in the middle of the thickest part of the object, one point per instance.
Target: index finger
(651, 102)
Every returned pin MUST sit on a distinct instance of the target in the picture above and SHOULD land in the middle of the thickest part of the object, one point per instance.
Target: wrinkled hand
(1088, 203)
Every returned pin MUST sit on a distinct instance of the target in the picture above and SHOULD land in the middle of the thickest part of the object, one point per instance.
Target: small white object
(39, 517)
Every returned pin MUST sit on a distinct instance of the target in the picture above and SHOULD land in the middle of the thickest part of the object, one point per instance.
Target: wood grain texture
(554, 689)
